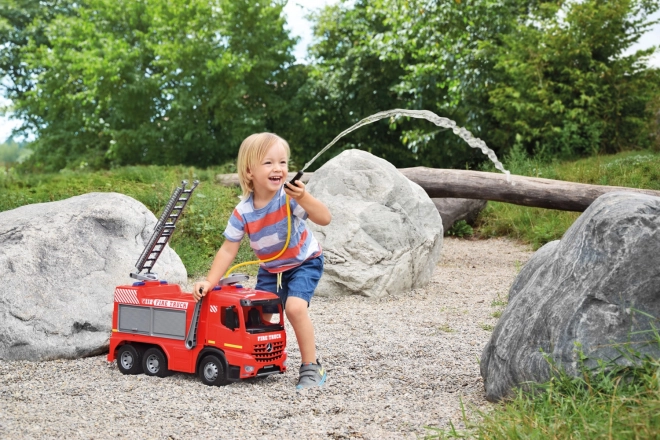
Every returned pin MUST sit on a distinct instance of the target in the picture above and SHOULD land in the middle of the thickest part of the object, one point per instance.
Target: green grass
(445, 328)
(610, 402)
(537, 226)
(199, 230)
(460, 229)
(486, 327)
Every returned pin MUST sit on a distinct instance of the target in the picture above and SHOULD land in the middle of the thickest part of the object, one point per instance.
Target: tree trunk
(526, 191)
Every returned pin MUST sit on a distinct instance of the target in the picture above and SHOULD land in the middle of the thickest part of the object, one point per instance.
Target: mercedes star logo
(269, 347)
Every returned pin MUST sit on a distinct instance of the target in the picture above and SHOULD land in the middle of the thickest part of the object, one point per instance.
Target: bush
(460, 229)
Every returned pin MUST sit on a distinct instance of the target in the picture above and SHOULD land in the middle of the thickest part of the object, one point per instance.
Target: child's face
(270, 173)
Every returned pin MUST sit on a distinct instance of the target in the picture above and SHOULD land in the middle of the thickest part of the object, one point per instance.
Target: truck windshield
(257, 320)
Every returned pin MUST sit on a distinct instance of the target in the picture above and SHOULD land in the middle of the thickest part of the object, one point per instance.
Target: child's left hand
(295, 190)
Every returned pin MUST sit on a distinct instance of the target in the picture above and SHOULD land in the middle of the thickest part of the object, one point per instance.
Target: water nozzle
(298, 176)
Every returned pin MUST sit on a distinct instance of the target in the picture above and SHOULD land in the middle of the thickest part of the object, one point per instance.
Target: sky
(296, 10)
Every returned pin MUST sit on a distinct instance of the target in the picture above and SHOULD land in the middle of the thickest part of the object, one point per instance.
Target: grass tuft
(610, 401)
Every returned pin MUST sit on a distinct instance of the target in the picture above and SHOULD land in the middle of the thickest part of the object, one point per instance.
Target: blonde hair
(252, 151)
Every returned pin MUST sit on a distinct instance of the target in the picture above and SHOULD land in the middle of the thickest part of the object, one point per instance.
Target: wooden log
(526, 191)
(522, 190)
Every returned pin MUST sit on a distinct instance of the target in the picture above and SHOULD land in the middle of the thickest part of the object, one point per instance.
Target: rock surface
(453, 210)
(386, 234)
(60, 263)
(586, 289)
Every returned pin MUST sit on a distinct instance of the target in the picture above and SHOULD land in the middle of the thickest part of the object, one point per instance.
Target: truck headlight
(249, 368)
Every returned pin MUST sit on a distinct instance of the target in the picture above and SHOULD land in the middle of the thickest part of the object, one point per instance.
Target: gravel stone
(397, 366)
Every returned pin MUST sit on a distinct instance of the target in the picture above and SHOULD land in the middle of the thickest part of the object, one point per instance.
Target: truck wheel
(212, 371)
(129, 359)
(155, 363)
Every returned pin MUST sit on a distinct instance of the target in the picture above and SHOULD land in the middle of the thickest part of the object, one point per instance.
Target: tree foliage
(151, 81)
(13, 152)
(418, 54)
(565, 85)
(102, 82)
(550, 76)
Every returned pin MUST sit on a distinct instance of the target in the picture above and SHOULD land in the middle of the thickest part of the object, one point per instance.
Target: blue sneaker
(311, 375)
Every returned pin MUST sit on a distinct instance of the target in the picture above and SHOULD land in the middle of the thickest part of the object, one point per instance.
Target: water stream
(429, 116)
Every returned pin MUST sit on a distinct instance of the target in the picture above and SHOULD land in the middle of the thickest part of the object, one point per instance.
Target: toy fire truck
(158, 329)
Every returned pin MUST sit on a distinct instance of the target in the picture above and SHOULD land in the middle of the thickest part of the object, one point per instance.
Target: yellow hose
(286, 244)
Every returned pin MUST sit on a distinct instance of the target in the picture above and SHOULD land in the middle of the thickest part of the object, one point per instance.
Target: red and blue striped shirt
(267, 230)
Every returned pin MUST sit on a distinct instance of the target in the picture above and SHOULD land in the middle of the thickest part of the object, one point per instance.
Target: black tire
(154, 363)
(212, 371)
(129, 359)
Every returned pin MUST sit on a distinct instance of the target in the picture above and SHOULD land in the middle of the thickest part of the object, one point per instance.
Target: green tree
(152, 81)
(565, 87)
(22, 21)
(12, 151)
(477, 62)
(416, 54)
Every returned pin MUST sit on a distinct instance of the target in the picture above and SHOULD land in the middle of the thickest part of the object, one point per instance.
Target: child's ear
(248, 173)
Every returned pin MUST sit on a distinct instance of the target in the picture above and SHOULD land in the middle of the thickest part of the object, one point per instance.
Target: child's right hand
(200, 288)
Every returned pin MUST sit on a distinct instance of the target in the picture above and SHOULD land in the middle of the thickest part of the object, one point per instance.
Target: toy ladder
(191, 338)
(163, 231)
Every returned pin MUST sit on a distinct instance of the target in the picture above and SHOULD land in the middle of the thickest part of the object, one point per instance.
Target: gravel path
(396, 366)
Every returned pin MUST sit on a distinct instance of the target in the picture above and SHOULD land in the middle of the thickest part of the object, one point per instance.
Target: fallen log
(521, 190)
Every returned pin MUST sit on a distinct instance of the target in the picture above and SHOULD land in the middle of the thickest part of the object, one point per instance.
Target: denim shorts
(299, 282)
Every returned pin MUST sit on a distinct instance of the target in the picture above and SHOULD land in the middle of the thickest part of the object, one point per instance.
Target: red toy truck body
(153, 324)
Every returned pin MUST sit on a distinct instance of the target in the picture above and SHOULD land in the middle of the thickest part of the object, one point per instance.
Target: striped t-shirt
(266, 227)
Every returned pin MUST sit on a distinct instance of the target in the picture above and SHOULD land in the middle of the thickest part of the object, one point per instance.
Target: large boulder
(593, 290)
(385, 235)
(60, 263)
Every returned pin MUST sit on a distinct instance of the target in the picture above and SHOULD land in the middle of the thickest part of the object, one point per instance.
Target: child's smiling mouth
(276, 179)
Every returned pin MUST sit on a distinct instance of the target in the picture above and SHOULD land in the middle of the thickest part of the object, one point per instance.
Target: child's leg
(301, 283)
(296, 313)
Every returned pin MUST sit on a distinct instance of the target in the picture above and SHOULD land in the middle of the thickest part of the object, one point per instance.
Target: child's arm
(316, 209)
(221, 262)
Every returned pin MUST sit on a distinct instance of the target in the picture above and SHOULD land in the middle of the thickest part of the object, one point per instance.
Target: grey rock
(60, 263)
(593, 289)
(453, 210)
(385, 235)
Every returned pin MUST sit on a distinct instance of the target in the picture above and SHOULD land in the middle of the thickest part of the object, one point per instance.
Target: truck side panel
(164, 323)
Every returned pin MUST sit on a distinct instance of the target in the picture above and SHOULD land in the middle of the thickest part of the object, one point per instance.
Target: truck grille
(263, 355)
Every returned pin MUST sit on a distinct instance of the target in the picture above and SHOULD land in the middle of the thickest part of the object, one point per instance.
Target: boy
(262, 172)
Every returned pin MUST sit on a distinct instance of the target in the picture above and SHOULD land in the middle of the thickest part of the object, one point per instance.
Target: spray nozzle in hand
(295, 178)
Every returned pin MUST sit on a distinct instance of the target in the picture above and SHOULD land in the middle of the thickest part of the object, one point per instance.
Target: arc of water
(440, 121)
